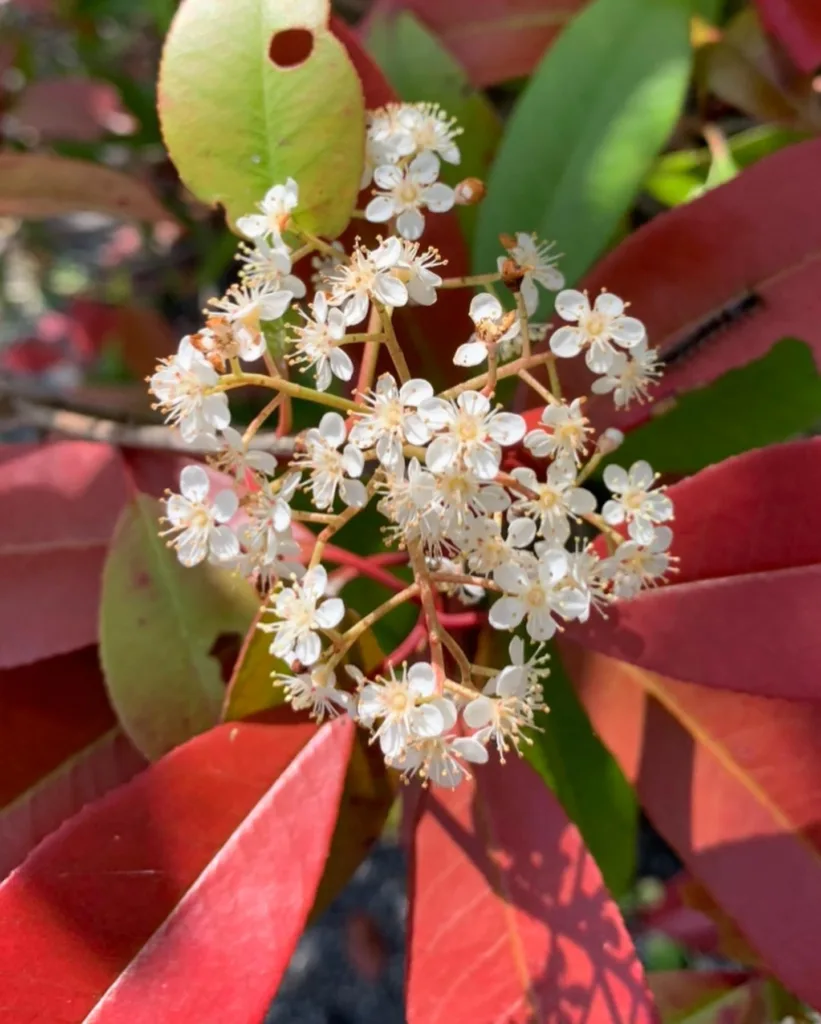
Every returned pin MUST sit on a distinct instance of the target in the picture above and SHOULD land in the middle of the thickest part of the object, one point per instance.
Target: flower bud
(469, 192)
(610, 440)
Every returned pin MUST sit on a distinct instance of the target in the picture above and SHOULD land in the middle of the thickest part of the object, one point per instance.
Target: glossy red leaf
(59, 504)
(732, 782)
(510, 919)
(60, 748)
(494, 40)
(181, 895)
(741, 611)
(759, 234)
(140, 334)
(797, 23)
(429, 334)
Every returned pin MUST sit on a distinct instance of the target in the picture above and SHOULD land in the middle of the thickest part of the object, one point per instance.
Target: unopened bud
(512, 274)
(469, 192)
(610, 440)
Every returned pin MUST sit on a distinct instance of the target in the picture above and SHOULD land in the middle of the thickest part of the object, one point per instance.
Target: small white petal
(609, 304)
(439, 198)
(571, 304)
(471, 353)
(330, 613)
(478, 712)
(223, 542)
(387, 177)
(194, 483)
(566, 342)
(225, 506)
(415, 391)
(422, 679)
(484, 307)
(354, 493)
(506, 613)
(410, 224)
(390, 290)
(380, 209)
(332, 429)
(615, 478)
(507, 428)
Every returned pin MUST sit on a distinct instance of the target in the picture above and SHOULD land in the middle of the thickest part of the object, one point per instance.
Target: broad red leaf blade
(797, 23)
(699, 264)
(494, 40)
(710, 996)
(60, 748)
(748, 574)
(181, 895)
(510, 919)
(59, 504)
(37, 185)
(732, 783)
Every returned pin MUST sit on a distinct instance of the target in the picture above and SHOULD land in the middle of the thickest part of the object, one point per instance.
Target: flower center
(390, 415)
(407, 193)
(536, 596)
(467, 428)
(595, 325)
(200, 519)
(399, 702)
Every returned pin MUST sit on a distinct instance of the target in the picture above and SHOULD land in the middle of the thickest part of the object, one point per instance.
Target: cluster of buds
(485, 512)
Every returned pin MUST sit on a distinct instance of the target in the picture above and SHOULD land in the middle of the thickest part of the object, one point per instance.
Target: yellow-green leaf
(236, 123)
(158, 625)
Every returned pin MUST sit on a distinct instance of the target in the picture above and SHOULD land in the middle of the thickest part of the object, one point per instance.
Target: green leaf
(581, 139)
(587, 780)
(766, 401)
(420, 69)
(158, 624)
(235, 123)
(679, 176)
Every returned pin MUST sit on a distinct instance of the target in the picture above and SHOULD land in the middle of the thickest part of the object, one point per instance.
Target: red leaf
(797, 23)
(142, 334)
(59, 748)
(494, 40)
(75, 109)
(748, 574)
(761, 234)
(429, 334)
(59, 504)
(180, 896)
(732, 783)
(510, 919)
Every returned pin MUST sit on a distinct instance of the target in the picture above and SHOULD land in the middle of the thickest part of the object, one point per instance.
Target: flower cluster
(490, 512)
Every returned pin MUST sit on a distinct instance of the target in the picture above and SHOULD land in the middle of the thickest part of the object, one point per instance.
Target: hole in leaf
(226, 650)
(291, 47)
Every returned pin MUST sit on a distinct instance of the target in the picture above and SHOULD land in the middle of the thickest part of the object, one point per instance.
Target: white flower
(330, 467)
(440, 759)
(471, 431)
(494, 326)
(180, 384)
(318, 343)
(596, 328)
(539, 266)
(406, 707)
(387, 140)
(532, 593)
(431, 130)
(509, 702)
(631, 375)
(462, 495)
(465, 593)
(487, 549)
(568, 428)
(522, 674)
(409, 501)
(406, 192)
(314, 692)
(586, 574)
(553, 501)
(270, 267)
(635, 504)
(198, 523)
(414, 268)
(275, 212)
(393, 419)
(242, 310)
(270, 555)
(299, 615)
(368, 275)
(235, 458)
(634, 567)
(269, 509)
